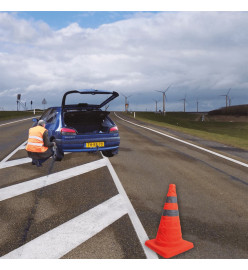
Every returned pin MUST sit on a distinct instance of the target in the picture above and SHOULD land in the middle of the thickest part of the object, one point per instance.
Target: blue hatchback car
(82, 127)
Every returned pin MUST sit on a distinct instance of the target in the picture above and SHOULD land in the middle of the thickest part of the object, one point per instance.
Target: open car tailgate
(92, 92)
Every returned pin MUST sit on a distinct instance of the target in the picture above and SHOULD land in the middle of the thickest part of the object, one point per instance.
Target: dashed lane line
(140, 231)
(185, 142)
(27, 186)
(59, 241)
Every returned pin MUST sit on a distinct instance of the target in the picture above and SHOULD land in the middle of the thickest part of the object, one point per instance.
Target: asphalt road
(212, 199)
(12, 135)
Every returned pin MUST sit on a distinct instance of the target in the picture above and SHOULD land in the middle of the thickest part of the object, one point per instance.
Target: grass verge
(7, 115)
(229, 133)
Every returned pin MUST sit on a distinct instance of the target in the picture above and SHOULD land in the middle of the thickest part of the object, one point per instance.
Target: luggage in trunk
(87, 121)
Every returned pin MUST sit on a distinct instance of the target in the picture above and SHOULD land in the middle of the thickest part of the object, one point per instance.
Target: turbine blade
(168, 88)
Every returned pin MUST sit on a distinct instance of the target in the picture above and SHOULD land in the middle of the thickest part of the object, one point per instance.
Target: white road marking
(16, 121)
(55, 243)
(13, 152)
(18, 189)
(141, 233)
(191, 144)
(15, 162)
(59, 241)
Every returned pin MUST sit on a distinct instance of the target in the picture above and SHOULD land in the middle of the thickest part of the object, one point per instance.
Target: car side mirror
(35, 120)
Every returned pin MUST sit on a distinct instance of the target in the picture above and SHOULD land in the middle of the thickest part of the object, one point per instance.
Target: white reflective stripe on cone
(36, 137)
(37, 144)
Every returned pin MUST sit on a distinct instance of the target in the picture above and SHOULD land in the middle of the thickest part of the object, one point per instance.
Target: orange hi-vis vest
(35, 140)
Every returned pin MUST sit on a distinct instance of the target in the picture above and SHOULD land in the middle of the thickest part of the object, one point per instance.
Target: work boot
(36, 162)
(39, 164)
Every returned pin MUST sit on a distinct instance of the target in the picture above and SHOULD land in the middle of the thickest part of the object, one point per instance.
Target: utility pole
(197, 102)
(164, 98)
(18, 101)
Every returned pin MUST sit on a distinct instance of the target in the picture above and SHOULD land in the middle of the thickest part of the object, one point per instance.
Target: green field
(6, 115)
(230, 133)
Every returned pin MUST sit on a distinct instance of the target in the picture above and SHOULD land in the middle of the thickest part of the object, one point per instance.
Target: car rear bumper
(79, 145)
(91, 149)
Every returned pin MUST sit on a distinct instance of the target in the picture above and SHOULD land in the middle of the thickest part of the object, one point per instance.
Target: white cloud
(202, 54)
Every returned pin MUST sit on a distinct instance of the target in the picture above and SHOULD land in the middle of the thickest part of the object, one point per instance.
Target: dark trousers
(43, 160)
(41, 157)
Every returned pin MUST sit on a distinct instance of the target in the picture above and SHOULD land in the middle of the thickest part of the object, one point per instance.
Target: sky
(200, 55)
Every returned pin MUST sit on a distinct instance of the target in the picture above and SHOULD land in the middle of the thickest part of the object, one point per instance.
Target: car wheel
(58, 155)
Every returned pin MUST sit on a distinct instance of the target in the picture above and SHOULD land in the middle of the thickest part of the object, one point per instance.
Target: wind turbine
(126, 104)
(156, 105)
(197, 100)
(230, 101)
(227, 97)
(164, 97)
(184, 99)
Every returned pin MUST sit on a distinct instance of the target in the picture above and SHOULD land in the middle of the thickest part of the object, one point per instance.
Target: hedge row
(232, 110)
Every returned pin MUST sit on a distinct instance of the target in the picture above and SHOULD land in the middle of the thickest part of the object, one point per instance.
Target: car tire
(58, 155)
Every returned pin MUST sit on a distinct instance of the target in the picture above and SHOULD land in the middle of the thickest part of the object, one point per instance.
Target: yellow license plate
(94, 144)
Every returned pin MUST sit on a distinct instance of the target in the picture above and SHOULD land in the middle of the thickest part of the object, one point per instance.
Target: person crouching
(39, 147)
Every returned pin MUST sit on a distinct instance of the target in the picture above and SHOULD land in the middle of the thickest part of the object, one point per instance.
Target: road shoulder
(227, 150)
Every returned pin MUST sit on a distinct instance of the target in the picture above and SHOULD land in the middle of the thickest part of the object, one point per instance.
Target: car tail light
(68, 131)
(113, 129)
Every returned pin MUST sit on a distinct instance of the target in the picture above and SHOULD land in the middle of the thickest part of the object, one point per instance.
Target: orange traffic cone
(169, 242)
